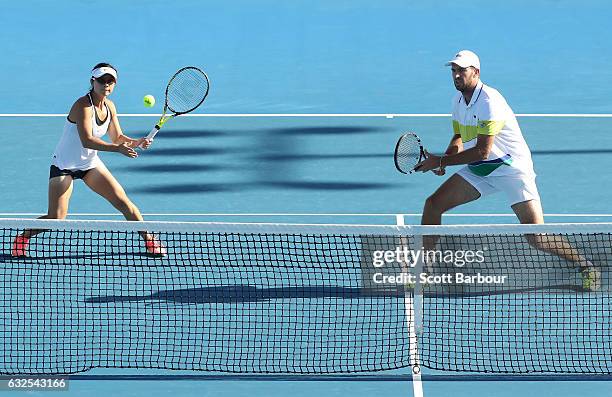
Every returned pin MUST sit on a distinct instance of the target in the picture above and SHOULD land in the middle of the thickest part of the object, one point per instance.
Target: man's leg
(530, 212)
(454, 192)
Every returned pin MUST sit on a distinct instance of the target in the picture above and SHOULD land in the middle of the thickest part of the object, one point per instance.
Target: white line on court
(412, 314)
(385, 115)
(186, 214)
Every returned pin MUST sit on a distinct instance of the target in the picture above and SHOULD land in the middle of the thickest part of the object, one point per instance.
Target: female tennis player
(76, 157)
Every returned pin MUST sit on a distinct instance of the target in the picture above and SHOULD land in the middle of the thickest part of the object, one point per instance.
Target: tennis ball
(149, 101)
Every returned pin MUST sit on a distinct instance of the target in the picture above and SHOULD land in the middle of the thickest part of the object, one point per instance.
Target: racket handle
(153, 132)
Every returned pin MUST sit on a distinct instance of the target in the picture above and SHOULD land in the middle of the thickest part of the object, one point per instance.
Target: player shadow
(171, 168)
(235, 294)
(316, 130)
(186, 188)
(297, 185)
(187, 134)
(183, 188)
(459, 292)
(68, 259)
(189, 151)
(323, 130)
(246, 293)
(300, 157)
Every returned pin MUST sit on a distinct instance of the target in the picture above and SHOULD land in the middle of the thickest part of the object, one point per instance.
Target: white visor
(99, 72)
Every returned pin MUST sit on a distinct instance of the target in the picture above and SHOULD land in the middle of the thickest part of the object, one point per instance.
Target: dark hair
(104, 65)
(100, 65)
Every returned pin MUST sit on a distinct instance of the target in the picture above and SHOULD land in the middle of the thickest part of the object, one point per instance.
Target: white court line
(186, 214)
(412, 314)
(385, 115)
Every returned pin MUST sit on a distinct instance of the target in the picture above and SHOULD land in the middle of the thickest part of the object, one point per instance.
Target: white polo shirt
(488, 113)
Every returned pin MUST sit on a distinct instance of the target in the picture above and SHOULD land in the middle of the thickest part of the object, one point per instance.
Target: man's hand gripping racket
(410, 156)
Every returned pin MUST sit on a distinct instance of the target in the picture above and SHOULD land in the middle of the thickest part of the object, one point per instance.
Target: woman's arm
(81, 112)
(117, 135)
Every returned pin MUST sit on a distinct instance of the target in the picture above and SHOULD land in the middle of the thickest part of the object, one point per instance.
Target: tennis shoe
(155, 248)
(20, 247)
(591, 279)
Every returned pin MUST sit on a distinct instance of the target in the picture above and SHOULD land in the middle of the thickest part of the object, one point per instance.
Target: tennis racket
(408, 153)
(186, 91)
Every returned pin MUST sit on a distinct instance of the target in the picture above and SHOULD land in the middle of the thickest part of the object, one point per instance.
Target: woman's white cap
(99, 72)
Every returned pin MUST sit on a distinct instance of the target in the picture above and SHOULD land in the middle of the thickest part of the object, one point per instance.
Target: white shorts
(518, 188)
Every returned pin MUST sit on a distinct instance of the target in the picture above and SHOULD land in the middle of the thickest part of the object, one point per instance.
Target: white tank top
(70, 154)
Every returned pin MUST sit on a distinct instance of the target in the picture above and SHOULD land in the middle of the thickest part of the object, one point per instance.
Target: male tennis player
(76, 157)
(487, 140)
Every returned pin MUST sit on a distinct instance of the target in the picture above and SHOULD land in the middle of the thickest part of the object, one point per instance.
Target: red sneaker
(154, 247)
(20, 246)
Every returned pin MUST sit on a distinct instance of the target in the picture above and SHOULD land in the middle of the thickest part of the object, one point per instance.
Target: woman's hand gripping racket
(186, 91)
(409, 153)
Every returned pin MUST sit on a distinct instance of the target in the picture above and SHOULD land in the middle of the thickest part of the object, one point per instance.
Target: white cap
(465, 58)
(99, 72)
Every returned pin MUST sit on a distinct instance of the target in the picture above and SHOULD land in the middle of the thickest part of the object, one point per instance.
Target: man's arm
(479, 152)
(455, 145)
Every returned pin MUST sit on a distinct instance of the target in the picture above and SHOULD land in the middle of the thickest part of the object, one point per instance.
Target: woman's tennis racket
(408, 153)
(186, 91)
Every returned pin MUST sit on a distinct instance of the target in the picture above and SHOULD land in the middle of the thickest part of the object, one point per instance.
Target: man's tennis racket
(408, 153)
(186, 91)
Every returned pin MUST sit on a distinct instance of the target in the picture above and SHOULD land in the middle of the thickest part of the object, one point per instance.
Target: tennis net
(282, 298)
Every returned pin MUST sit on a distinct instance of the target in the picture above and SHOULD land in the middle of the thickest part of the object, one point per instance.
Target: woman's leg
(101, 181)
(60, 190)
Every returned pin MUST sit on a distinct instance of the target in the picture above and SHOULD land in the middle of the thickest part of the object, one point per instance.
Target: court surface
(348, 66)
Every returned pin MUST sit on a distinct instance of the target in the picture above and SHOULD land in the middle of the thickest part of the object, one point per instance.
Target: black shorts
(75, 174)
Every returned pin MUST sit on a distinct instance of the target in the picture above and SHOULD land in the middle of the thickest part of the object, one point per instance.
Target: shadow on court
(183, 188)
(232, 294)
(178, 168)
(304, 131)
(336, 156)
(338, 130)
(276, 158)
(327, 185)
(190, 151)
(186, 134)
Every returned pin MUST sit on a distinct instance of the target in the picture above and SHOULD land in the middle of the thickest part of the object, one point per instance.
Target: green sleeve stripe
(468, 132)
(456, 127)
(490, 127)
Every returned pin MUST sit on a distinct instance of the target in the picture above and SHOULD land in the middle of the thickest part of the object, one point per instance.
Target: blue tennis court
(307, 101)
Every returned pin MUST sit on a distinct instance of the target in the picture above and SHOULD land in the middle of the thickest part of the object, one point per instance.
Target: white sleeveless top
(70, 154)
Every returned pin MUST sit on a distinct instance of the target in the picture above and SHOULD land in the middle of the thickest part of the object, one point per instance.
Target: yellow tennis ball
(149, 101)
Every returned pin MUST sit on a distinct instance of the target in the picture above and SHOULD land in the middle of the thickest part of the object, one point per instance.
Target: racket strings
(187, 90)
(408, 153)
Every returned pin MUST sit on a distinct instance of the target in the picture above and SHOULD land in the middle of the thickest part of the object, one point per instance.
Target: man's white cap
(99, 72)
(465, 58)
